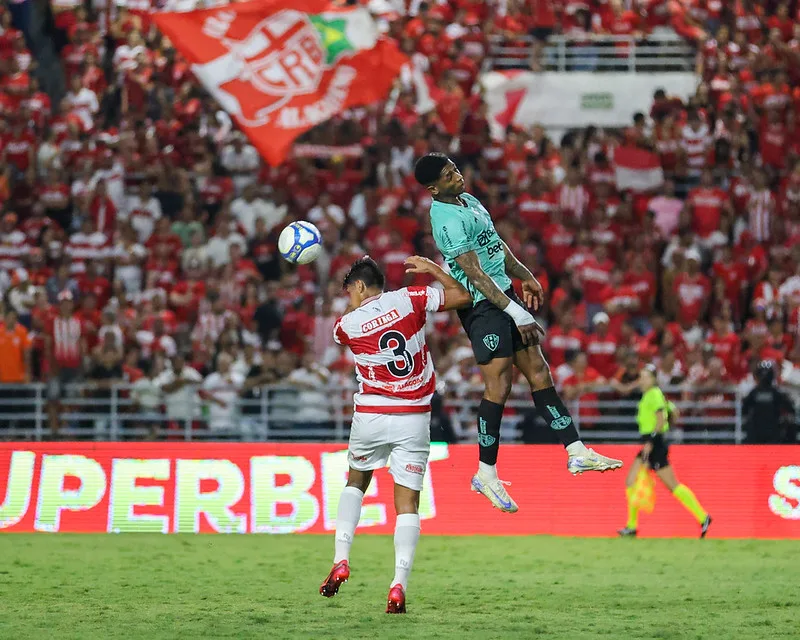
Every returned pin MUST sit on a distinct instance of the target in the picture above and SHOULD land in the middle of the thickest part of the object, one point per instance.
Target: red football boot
(339, 574)
(397, 600)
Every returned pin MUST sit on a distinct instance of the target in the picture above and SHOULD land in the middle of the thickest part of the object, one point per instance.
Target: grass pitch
(149, 586)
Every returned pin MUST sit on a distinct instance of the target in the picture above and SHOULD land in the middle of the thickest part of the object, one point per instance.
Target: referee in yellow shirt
(653, 418)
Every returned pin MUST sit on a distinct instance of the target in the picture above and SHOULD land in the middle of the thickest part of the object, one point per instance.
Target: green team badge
(559, 422)
(491, 340)
(484, 439)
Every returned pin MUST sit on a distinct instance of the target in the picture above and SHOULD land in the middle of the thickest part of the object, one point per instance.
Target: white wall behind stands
(560, 101)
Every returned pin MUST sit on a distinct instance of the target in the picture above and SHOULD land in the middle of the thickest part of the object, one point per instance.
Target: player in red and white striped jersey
(386, 333)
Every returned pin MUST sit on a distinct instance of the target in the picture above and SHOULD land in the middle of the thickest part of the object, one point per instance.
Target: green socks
(685, 496)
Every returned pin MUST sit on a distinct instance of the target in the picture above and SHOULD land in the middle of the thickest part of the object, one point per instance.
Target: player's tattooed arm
(514, 267)
(529, 329)
(471, 266)
(532, 292)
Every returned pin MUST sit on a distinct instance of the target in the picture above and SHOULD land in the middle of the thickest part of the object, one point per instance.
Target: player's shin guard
(347, 517)
(633, 512)
(556, 415)
(489, 416)
(406, 536)
(686, 497)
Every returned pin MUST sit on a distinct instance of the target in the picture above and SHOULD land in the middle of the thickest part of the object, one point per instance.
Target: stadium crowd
(138, 229)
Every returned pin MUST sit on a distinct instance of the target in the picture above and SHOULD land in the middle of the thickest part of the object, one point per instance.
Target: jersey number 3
(395, 341)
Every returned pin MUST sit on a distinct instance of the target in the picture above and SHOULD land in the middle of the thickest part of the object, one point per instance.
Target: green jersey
(651, 403)
(459, 229)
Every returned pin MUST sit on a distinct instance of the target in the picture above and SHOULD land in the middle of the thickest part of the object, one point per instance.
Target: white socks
(347, 517)
(487, 471)
(577, 448)
(406, 536)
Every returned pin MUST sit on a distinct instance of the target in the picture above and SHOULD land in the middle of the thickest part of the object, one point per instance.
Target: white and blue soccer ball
(300, 242)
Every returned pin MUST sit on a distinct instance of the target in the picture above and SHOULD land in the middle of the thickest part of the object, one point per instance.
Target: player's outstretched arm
(532, 292)
(455, 295)
(527, 325)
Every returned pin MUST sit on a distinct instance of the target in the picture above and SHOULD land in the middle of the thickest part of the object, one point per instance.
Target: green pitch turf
(149, 586)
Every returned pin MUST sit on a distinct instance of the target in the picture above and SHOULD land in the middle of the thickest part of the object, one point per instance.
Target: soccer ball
(300, 242)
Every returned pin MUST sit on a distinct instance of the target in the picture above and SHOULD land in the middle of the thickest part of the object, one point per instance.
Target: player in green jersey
(653, 418)
(502, 331)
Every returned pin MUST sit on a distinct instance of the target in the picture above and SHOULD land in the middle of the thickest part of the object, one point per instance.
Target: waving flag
(637, 169)
(280, 67)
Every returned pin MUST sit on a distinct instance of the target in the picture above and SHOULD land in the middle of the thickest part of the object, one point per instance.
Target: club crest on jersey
(492, 341)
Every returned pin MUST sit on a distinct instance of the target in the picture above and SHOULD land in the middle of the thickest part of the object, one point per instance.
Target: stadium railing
(85, 411)
(662, 52)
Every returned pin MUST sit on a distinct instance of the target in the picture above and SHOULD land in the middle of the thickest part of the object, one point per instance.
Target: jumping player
(502, 331)
(386, 333)
(653, 419)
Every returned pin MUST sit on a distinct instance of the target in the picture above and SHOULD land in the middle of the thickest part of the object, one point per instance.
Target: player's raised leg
(347, 517)
(497, 376)
(534, 367)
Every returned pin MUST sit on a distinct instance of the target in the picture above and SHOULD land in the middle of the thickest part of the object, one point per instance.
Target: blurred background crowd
(138, 228)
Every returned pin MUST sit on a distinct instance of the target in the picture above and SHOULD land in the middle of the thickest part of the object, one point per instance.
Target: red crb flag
(280, 67)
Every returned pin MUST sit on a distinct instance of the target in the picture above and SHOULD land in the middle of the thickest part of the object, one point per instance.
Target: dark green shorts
(492, 332)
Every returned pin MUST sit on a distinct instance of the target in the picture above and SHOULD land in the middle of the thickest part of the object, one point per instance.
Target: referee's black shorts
(659, 456)
(492, 332)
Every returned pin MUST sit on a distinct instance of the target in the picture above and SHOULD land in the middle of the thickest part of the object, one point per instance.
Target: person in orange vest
(15, 367)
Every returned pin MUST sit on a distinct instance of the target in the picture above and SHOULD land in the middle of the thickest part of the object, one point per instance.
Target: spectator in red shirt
(734, 274)
(727, 346)
(92, 281)
(595, 274)
(773, 140)
(692, 291)
(643, 282)
(601, 347)
(163, 235)
(583, 382)
(535, 206)
(707, 204)
(620, 301)
(563, 337)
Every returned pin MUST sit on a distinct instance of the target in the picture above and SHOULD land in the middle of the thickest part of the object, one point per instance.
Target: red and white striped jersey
(14, 248)
(574, 201)
(66, 333)
(87, 246)
(695, 144)
(387, 337)
(210, 325)
(760, 209)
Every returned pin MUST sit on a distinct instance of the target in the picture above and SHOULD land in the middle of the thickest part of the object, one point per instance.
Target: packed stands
(139, 226)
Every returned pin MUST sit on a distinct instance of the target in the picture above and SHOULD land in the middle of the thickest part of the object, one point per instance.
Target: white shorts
(402, 439)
